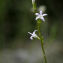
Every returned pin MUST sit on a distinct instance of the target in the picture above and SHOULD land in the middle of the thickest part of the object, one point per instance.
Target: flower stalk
(39, 19)
(41, 39)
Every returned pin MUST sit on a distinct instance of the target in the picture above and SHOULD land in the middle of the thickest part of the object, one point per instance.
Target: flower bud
(33, 1)
(43, 8)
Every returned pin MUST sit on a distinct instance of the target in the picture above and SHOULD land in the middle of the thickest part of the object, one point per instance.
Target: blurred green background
(17, 19)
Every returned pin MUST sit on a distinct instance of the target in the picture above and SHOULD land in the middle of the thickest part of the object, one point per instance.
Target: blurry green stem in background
(38, 29)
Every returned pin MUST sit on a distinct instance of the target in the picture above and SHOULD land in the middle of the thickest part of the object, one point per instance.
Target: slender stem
(43, 51)
(40, 36)
(41, 39)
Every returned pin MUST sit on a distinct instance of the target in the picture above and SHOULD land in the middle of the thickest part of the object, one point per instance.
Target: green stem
(40, 36)
(41, 39)
(43, 51)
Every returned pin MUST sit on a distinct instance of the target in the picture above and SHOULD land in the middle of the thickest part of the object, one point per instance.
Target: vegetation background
(17, 19)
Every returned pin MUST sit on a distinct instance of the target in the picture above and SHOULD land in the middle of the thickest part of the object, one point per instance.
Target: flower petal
(41, 12)
(30, 33)
(42, 18)
(44, 14)
(31, 37)
(34, 32)
(36, 14)
(37, 17)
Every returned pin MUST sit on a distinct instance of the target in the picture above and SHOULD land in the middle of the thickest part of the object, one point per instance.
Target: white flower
(40, 15)
(33, 35)
(33, 1)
